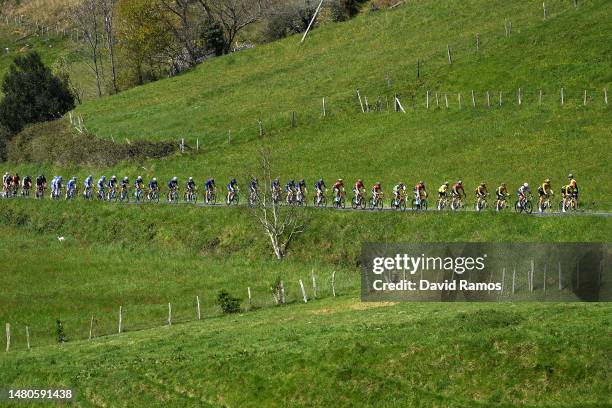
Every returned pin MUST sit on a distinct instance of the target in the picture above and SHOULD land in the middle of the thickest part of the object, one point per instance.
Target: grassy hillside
(348, 354)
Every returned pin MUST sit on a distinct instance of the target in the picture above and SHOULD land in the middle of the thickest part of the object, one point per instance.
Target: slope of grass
(434, 354)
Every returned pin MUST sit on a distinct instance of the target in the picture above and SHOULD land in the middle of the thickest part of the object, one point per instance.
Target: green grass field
(332, 351)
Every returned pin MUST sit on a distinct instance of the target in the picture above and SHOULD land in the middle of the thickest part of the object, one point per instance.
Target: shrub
(228, 303)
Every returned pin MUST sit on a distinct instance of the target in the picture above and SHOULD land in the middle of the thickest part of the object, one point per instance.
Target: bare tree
(108, 11)
(184, 24)
(233, 16)
(87, 16)
(281, 223)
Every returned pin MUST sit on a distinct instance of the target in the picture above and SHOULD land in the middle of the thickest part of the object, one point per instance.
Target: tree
(88, 15)
(32, 93)
(232, 16)
(108, 11)
(280, 223)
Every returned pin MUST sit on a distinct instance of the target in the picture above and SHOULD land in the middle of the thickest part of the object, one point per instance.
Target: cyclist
(125, 186)
(419, 192)
(112, 186)
(102, 187)
(276, 190)
(190, 185)
(26, 184)
(320, 188)
(567, 192)
(138, 186)
(502, 195)
(358, 189)
(88, 185)
(338, 189)
(376, 191)
(71, 188)
(172, 187)
(443, 194)
(301, 190)
(574, 186)
(232, 189)
(522, 193)
(457, 191)
(210, 188)
(253, 186)
(41, 183)
(290, 190)
(56, 187)
(398, 190)
(153, 187)
(6, 183)
(544, 191)
(481, 192)
(15, 184)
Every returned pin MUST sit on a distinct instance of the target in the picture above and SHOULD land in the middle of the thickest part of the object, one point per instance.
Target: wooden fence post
(91, 324)
(293, 120)
(459, 99)
(360, 102)
(324, 113)
(544, 9)
(531, 276)
(197, 144)
(303, 291)
(437, 101)
(488, 100)
(446, 100)
(450, 55)
(520, 99)
(605, 96)
(333, 283)
(500, 98)
(198, 312)
(427, 100)
(562, 97)
(540, 98)
(28, 337)
(585, 98)
(120, 318)
(282, 293)
(249, 294)
(418, 68)
(8, 337)
(314, 284)
(503, 280)
(513, 279)
(473, 99)
(169, 314)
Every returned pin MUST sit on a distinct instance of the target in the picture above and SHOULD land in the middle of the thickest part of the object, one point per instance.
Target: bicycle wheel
(402, 205)
(414, 205)
(424, 205)
(517, 207)
(528, 207)
(354, 203)
(381, 204)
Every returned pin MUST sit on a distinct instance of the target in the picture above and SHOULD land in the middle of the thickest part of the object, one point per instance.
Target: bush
(228, 303)
(32, 94)
(57, 143)
(290, 18)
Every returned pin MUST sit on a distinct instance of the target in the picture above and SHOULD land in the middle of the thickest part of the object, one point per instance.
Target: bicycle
(568, 204)
(398, 203)
(377, 201)
(124, 195)
(88, 193)
(112, 194)
(190, 196)
(71, 194)
(481, 204)
(173, 196)
(300, 198)
(501, 204)
(55, 195)
(139, 195)
(211, 197)
(339, 200)
(545, 205)
(276, 195)
(290, 199)
(153, 196)
(232, 198)
(40, 192)
(25, 192)
(442, 203)
(358, 202)
(320, 200)
(525, 206)
(457, 203)
(421, 205)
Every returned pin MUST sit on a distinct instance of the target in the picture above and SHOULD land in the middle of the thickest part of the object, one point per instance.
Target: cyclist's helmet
(359, 181)
(74, 178)
(377, 183)
(547, 181)
(570, 176)
(483, 184)
(125, 178)
(526, 185)
(446, 183)
(59, 178)
(302, 181)
(459, 182)
(233, 181)
(154, 179)
(90, 176)
(212, 180)
(503, 184)
(340, 180)
(174, 178)
(190, 178)
(139, 178)
(103, 177)
(114, 178)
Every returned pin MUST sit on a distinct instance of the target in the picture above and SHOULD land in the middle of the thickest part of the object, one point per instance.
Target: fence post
(540, 98)
(560, 285)
(446, 100)
(605, 96)
(513, 279)
(249, 294)
(360, 102)
(334, 283)
(562, 97)
(197, 144)
(437, 101)
(198, 313)
(585, 98)
(459, 98)
(261, 129)
(324, 107)
(28, 337)
(91, 323)
(120, 318)
(8, 337)
(531, 277)
(450, 55)
(229, 137)
(293, 121)
(314, 284)
(545, 266)
(282, 293)
(169, 314)
(500, 98)
(427, 100)
(488, 100)
(303, 291)
(544, 9)
(520, 100)
(418, 68)
(503, 280)
(473, 99)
